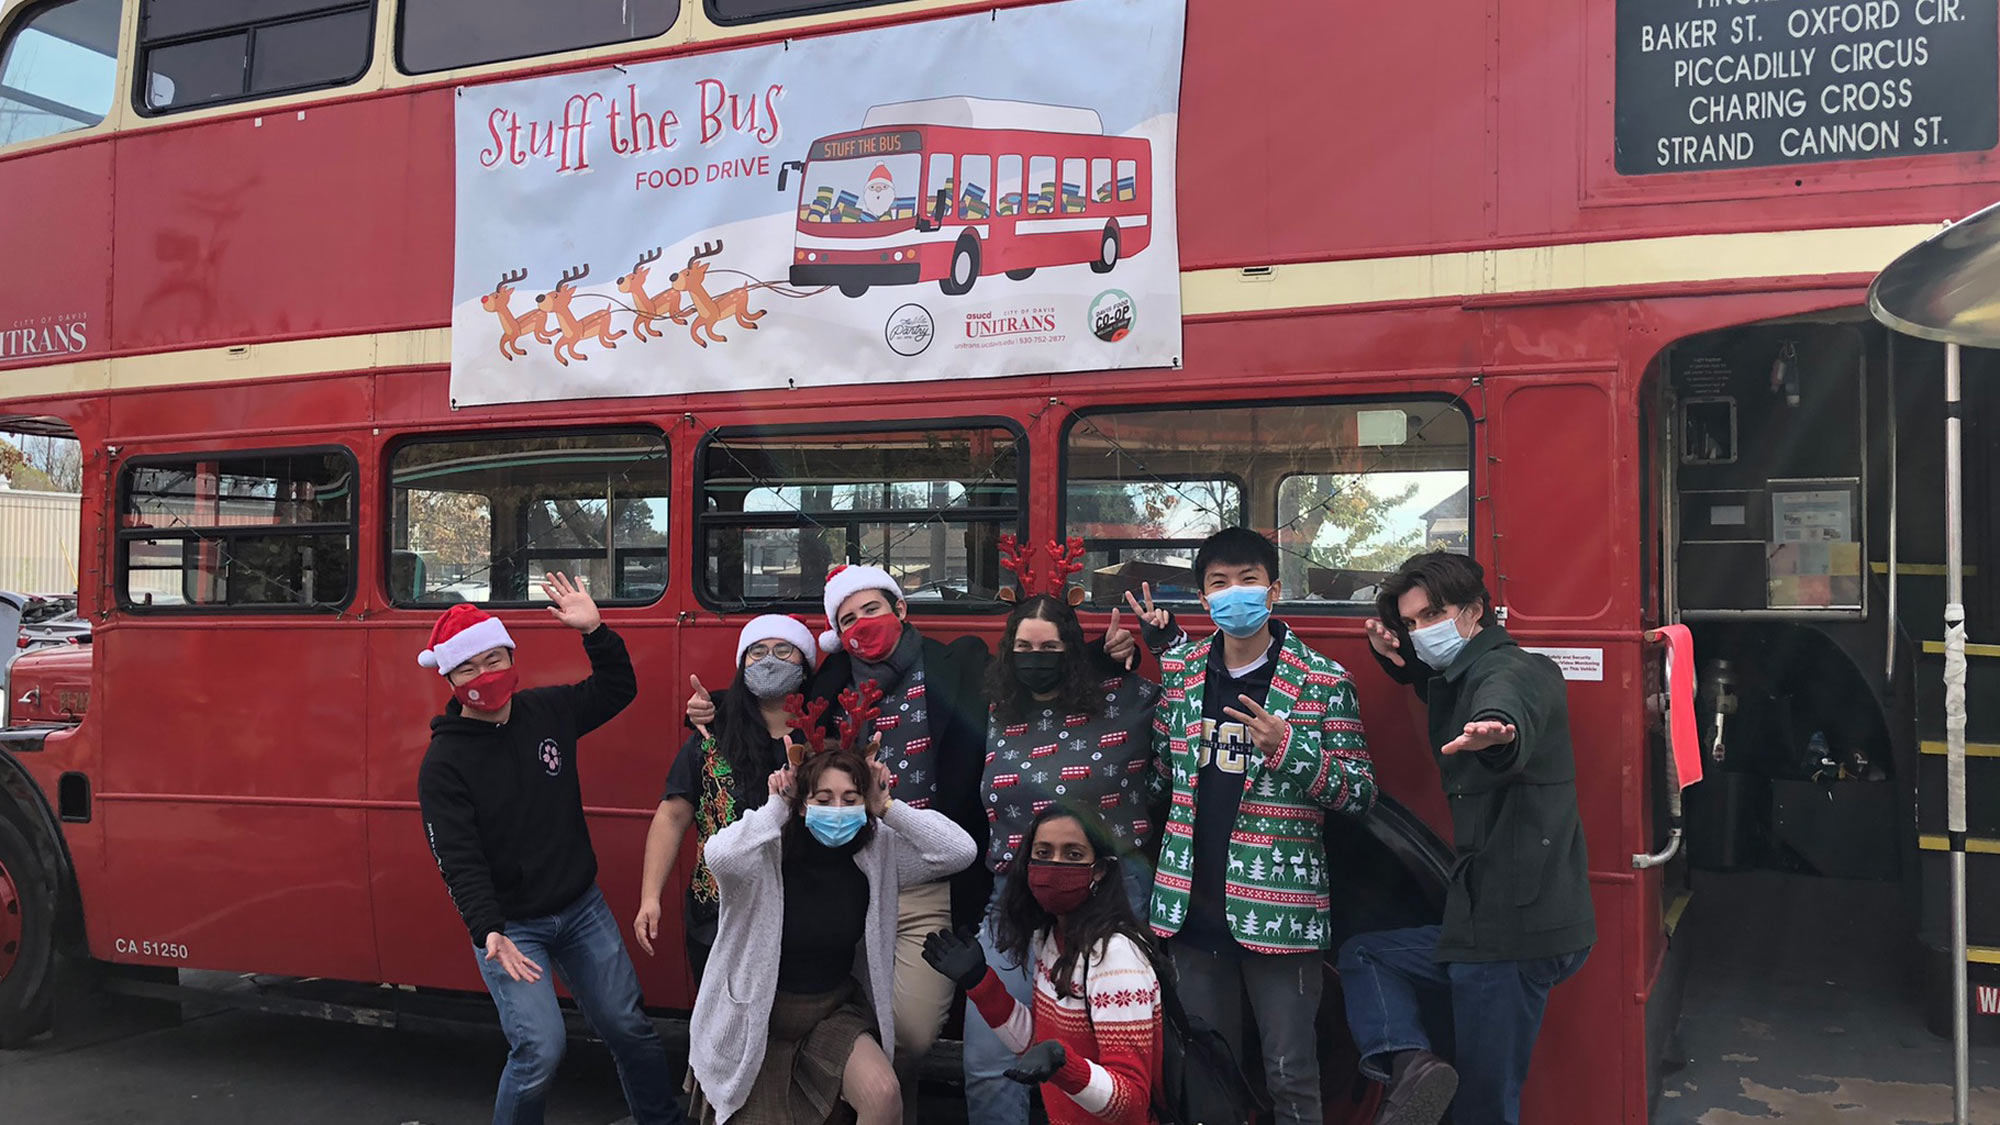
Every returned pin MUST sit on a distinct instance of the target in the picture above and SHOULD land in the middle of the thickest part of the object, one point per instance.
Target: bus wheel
(853, 288)
(1107, 250)
(964, 266)
(1021, 275)
(27, 939)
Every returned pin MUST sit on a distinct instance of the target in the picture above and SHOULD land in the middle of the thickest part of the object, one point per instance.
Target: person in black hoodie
(504, 814)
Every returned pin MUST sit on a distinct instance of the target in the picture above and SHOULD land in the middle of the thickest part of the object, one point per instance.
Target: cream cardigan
(732, 1013)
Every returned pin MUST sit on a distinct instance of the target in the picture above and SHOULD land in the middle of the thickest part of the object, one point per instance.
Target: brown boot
(1420, 1092)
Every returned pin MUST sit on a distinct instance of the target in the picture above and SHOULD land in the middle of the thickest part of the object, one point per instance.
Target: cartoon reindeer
(512, 327)
(664, 305)
(708, 311)
(597, 325)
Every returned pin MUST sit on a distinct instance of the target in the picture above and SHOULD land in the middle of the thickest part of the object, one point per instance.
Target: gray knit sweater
(733, 1011)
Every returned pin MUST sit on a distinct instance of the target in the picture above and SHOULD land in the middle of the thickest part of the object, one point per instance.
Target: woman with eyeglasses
(720, 774)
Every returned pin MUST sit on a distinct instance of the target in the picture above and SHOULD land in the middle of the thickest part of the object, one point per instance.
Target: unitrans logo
(1023, 322)
(1111, 315)
(41, 336)
(910, 330)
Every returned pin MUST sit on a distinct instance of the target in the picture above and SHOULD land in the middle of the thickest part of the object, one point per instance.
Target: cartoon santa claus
(878, 198)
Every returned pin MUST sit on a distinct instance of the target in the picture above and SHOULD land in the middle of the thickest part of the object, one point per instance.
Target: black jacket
(501, 803)
(1521, 886)
(955, 685)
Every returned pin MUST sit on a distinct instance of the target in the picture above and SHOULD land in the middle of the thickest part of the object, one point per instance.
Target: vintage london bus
(1577, 289)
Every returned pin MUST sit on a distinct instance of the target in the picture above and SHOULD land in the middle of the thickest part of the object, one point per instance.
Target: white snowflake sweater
(1109, 1028)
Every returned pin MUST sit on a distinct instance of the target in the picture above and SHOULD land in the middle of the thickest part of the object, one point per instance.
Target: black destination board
(1707, 84)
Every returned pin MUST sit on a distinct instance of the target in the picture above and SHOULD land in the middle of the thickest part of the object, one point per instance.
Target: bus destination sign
(1710, 84)
(887, 143)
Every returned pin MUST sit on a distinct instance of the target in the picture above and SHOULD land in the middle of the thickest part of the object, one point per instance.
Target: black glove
(956, 955)
(1158, 639)
(1038, 1063)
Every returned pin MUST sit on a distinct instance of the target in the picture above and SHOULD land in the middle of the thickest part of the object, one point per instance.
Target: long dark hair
(1105, 914)
(805, 779)
(745, 742)
(1077, 691)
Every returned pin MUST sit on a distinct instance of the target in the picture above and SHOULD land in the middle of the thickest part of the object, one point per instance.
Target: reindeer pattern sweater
(1109, 1028)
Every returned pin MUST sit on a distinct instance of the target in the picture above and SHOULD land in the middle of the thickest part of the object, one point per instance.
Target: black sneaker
(1421, 1093)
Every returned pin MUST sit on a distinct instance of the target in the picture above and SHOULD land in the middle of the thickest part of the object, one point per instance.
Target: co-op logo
(1111, 315)
(910, 330)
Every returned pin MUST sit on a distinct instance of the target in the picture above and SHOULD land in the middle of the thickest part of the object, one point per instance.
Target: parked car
(61, 628)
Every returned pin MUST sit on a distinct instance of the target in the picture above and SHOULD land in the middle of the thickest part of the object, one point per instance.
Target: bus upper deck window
(58, 69)
(750, 11)
(439, 35)
(195, 53)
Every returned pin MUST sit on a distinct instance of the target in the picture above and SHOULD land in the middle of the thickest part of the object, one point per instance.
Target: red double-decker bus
(1001, 187)
(1575, 289)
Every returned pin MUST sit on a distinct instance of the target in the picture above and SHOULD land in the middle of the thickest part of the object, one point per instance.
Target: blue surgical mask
(1438, 644)
(834, 825)
(1240, 610)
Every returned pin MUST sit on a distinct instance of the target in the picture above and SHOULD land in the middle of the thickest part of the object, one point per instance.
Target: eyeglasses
(781, 649)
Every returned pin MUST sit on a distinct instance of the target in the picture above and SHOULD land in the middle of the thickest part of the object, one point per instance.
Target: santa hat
(776, 627)
(843, 582)
(461, 633)
(881, 173)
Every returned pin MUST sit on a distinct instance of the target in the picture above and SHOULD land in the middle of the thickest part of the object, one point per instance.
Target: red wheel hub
(10, 923)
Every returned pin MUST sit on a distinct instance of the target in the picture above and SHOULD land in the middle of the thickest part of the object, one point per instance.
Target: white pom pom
(829, 642)
(427, 658)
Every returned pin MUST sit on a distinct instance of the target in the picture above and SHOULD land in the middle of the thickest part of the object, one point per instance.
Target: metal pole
(1895, 477)
(1954, 732)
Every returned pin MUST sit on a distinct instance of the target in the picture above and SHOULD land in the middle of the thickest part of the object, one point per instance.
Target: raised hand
(700, 708)
(878, 792)
(1479, 736)
(646, 926)
(957, 956)
(1038, 1063)
(501, 948)
(1384, 641)
(781, 783)
(1148, 613)
(572, 606)
(1120, 644)
(1267, 731)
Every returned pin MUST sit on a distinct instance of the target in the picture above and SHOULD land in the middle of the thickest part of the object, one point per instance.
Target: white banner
(990, 194)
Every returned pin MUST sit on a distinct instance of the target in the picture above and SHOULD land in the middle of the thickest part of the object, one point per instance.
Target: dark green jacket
(1520, 888)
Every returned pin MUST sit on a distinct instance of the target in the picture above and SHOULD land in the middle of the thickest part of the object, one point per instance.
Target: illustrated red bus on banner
(953, 189)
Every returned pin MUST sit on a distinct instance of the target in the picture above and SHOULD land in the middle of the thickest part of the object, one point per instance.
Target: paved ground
(1799, 1009)
(109, 1064)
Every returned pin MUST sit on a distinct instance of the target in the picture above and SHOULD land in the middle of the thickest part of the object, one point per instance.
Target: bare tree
(56, 463)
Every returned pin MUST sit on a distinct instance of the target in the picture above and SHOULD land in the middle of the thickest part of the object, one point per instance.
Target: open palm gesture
(569, 603)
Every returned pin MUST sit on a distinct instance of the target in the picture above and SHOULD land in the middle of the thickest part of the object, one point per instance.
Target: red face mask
(488, 692)
(1060, 887)
(873, 638)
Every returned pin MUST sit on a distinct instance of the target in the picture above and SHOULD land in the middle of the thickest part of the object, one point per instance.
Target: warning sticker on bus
(798, 214)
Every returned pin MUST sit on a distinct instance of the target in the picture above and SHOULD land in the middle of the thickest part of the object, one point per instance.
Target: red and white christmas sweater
(1112, 1045)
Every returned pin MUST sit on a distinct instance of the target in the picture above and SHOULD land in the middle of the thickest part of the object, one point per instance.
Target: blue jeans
(991, 1098)
(1392, 977)
(583, 943)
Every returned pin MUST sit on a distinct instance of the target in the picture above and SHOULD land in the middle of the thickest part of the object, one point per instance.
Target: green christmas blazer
(1277, 895)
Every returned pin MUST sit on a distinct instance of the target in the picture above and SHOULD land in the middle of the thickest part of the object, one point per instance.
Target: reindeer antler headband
(859, 705)
(1064, 560)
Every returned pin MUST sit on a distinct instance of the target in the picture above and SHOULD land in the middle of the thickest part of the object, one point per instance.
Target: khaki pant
(923, 995)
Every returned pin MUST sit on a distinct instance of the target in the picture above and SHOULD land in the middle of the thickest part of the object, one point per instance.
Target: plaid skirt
(805, 1058)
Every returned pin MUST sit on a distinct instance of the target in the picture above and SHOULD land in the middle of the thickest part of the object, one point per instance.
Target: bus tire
(1107, 250)
(853, 288)
(28, 902)
(1021, 275)
(964, 266)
